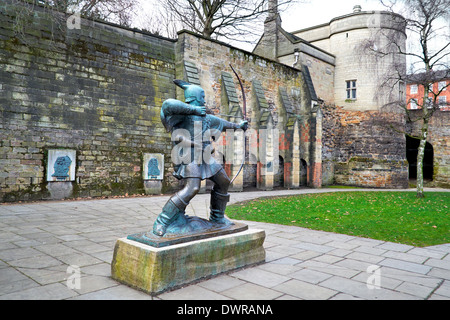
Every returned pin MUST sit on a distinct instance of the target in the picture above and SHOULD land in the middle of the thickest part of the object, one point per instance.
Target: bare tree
(116, 11)
(426, 24)
(233, 20)
(59, 12)
(158, 21)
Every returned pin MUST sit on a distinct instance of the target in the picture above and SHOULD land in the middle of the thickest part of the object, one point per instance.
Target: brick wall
(414, 98)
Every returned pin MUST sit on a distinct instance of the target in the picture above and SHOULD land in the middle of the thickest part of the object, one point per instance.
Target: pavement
(63, 250)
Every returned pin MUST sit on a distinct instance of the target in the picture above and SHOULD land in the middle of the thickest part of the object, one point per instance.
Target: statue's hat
(191, 91)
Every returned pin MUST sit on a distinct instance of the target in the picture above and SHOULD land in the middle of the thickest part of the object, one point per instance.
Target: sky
(305, 14)
(310, 13)
(315, 12)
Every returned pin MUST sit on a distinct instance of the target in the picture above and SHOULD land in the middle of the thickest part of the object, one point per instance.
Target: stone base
(152, 186)
(60, 190)
(155, 270)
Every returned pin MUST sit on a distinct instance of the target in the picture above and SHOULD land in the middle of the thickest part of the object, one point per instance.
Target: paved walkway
(40, 241)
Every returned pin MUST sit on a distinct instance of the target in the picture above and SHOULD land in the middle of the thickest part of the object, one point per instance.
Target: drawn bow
(244, 111)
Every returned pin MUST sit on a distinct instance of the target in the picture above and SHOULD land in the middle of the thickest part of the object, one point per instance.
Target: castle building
(359, 150)
(347, 77)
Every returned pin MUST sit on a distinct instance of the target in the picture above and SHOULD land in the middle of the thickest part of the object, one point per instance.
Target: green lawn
(390, 216)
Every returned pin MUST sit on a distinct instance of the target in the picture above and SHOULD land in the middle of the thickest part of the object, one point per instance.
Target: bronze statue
(192, 130)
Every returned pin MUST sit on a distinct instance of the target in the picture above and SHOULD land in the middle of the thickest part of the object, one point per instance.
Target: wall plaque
(153, 166)
(61, 165)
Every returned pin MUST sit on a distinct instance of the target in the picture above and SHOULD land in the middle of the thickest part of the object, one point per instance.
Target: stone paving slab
(40, 241)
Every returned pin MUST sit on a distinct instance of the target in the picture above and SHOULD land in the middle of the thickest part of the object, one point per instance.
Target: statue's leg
(176, 206)
(219, 198)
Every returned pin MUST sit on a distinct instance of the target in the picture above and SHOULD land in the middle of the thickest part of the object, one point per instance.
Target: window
(442, 101)
(351, 89)
(413, 104)
(442, 85)
(413, 89)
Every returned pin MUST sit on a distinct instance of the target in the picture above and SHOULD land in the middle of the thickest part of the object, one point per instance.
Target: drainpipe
(296, 55)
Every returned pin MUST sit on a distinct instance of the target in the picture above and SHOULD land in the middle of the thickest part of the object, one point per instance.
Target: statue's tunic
(191, 136)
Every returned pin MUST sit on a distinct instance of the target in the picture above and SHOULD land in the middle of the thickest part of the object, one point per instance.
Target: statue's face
(195, 95)
(201, 98)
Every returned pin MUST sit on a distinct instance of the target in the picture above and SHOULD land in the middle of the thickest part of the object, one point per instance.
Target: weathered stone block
(60, 190)
(153, 186)
(155, 270)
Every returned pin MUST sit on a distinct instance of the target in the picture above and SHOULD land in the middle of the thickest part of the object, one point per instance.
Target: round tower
(363, 43)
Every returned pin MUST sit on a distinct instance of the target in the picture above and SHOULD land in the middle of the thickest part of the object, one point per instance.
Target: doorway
(412, 148)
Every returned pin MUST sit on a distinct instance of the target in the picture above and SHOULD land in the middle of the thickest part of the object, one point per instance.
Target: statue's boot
(218, 205)
(171, 211)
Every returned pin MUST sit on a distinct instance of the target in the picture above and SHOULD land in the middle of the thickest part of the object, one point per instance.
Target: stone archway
(412, 146)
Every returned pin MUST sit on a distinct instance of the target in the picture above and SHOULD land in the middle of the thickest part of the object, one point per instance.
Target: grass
(389, 216)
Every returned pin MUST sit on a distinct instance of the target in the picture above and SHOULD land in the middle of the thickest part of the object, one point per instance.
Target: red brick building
(441, 87)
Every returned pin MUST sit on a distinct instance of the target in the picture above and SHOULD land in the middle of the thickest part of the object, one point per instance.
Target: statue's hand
(200, 111)
(244, 125)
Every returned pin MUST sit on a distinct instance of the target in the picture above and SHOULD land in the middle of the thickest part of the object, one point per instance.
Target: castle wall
(347, 38)
(358, 149)
(361, 149)
(96, 92)
(317, 35)
(214, 58)
(439, 138)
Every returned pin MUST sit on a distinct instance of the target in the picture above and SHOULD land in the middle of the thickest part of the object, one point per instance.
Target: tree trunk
(420, 157)
(207, 33)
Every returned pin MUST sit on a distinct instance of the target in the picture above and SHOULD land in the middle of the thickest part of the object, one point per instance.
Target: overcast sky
(309, 13)
(302, 15)
(316, 12)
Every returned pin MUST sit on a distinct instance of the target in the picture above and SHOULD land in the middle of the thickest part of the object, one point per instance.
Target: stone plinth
(154, 270)
(60, 190)
(153, 186)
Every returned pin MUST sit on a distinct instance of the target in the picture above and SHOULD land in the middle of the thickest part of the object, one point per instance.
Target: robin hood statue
(192, 131)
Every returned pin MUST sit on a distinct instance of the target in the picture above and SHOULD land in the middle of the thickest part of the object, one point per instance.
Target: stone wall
(212, 59)
(361, 149)
(96, 90)
(439, 138)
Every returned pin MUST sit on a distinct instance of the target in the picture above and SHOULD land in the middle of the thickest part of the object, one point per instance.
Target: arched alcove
(412, 148)
(278, 180)
(303, 172)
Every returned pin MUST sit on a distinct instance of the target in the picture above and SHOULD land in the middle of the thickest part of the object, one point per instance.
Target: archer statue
(192, 130)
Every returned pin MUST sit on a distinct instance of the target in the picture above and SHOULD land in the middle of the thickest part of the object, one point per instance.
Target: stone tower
(354, 39)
